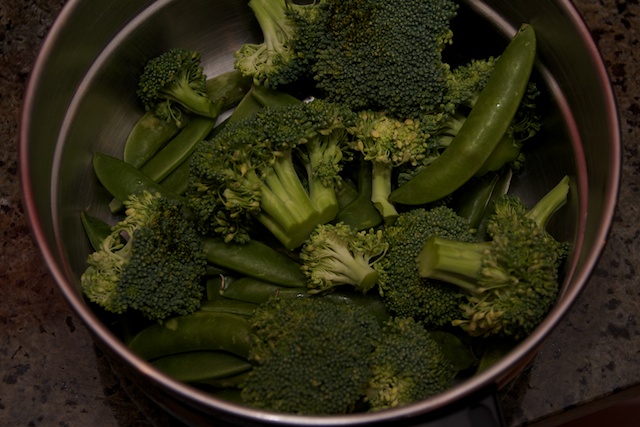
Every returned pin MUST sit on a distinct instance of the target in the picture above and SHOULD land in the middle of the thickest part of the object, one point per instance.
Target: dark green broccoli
(250, 170)
(389, 143)
(173, 84)
(407, 365)
(151, 262)
(337, 254)
(311, 356)
(276, 60)
(511, 281)
(404, 292)
(380, 55)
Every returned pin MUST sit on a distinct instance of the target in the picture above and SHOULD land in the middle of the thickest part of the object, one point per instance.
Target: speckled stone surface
(51, 374)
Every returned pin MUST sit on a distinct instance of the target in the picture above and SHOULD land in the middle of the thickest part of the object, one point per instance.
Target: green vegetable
(122, 180)
(274, 61)
(311, 356)
(200, 331)
(173, 85)
(404, 292)
(407, 365)
(361, 214)
(256, 291)
(96, 229)
(249, 171)
(161, 244)
(202, 366)
(230, 87)
(254, 259)
(482, 130)
(148, 135)
(511, 281)
(336, 255)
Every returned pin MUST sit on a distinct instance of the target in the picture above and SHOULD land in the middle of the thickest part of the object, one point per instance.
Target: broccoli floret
(404, 292)
(407, 365)
(250, 170)
(511, 281)
(151, 262)
(173, 84)
(388, 143)
(275, 61)
(311, 356)
(337, 254)
(381, 55)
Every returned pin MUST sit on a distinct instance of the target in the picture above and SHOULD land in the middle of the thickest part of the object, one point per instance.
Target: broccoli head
(173, 84)
(511, 281)
(388, 143)
(381, 55)
(251, 171)
(311, 355)
(337, 254)
(151, 262)
(407, 365)
(404, 292)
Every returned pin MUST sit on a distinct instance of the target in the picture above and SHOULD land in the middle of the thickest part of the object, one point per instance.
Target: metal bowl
(81, 99)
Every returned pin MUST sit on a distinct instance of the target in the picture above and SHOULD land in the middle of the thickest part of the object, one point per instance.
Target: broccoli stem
(380, 190)
(458, 263)
(269, 13)
(550, 203)
(324, 199)
(182, 93)
(287, 210)
(343, 267)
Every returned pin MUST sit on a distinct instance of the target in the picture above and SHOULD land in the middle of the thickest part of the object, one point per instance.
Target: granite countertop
(51, 373)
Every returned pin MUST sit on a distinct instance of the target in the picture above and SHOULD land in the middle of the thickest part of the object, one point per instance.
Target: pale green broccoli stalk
(388, 143)
(311, 355)
(337, 254)
(510, 282)
(250, 171)
(407, 365)
(173, 84)
(274, 61)
(151, 262)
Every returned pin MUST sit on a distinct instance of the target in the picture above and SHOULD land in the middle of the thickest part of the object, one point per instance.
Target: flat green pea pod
(95, 228)
(231, 87)
(202, 366)
(254, 259)
(226, 305)
(172, 155)
(200, 331)
(178, 180)
(122, 179)
(148, 135)
(256, 291)
(481, 133)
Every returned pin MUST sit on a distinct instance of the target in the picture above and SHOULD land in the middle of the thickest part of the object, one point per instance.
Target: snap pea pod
(201, 366)
(230, 382)
(472, 199)
(178, 180)
(200, 331)
(122, 179)
(231, 87)
(178, 149)
(254, 259)
(95, 228)
(226, 305)
(258, 98)
(256, 291)
(488, 121)
(147, 136)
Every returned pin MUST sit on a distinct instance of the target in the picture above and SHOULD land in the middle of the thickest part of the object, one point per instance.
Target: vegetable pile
(344, 239)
